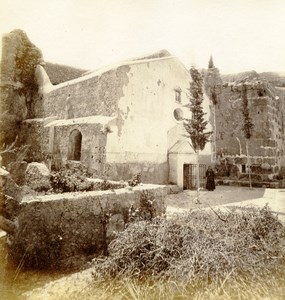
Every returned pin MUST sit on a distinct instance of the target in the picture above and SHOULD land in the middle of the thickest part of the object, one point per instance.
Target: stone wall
(93, 146)
(34, 134)
(65, 230)
(18, 85)
(88, 95)
(267, 114)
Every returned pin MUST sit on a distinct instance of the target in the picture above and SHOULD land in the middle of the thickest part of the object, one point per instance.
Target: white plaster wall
(147, 106)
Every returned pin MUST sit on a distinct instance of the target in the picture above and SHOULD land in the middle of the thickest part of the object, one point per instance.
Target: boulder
(37, 176)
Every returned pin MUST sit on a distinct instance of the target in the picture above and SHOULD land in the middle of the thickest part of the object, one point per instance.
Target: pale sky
(242, 35)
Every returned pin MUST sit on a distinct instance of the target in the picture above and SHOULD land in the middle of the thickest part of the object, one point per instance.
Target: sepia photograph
(142, 149)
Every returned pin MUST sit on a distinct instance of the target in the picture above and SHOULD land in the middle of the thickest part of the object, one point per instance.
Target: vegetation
(136, 180)
(213, 88)
(247, 127)
(66, 180)
(199, 255)
(196, 126)
(69, 180)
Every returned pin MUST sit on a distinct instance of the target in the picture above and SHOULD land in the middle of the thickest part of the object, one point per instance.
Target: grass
(199, 255)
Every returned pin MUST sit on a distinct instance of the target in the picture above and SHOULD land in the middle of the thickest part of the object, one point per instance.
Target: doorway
(190, 176)
(74, 146)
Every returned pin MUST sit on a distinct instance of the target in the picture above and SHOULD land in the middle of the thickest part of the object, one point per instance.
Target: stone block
(37, 176)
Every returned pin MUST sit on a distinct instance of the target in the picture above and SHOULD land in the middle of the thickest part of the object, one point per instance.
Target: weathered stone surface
(9, 207)
(55, 230)
(7, 225)
(115, 224)
(17, 171)
(37, 176)
(10, 188)
(18, 90)
(3, 172)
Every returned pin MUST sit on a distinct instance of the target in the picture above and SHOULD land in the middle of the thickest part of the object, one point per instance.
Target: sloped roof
(100, 71)
(182, 147)
(61, 73)
(103, 120)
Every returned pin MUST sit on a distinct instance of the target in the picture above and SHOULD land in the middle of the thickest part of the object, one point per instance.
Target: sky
(241, 35)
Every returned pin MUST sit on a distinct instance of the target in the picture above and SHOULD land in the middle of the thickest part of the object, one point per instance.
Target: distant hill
(240, 76)
(61, 73)
(276, 79)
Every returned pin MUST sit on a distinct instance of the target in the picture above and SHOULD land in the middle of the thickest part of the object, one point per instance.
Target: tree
(196, 126)
(211, 63)
(213, 88)
(247, 127)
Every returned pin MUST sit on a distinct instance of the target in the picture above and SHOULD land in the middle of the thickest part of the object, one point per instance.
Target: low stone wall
(63, 231)
(262, 184)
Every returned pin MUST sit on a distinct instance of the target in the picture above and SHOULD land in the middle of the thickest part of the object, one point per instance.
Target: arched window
(74, 146)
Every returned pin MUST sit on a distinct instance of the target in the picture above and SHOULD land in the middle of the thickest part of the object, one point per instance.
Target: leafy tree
(247, 126)
(196, 126)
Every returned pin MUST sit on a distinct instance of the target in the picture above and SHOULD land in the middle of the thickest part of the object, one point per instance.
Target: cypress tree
(196, 126)
(211, 63)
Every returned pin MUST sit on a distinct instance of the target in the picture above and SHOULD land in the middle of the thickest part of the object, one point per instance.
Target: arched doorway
(74, 146)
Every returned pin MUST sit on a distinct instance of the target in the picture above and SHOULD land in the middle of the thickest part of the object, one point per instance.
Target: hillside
(61, 73)
(276, 79)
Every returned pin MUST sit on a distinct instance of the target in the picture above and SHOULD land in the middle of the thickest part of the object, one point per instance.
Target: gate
(190, 177)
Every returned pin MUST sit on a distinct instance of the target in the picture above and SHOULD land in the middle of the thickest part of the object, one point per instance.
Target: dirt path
(221, 195)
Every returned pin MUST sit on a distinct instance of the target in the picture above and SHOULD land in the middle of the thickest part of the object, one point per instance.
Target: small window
(178, 94)
(243, 170)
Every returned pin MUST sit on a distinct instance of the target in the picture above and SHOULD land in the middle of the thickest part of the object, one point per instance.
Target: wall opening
(178, 94)
(178, 114)
(74, 146)
(190, 176)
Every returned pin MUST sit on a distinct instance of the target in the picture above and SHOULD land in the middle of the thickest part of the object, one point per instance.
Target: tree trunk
(198, 178)
(214, 149)
(248, 163)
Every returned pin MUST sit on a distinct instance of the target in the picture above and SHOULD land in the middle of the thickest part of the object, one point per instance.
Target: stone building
(117, 121)
(266, 108)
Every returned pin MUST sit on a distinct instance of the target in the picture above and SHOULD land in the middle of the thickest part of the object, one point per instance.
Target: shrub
(136, 180)
(67, 180)
(146, 210)
(107, 185)
(198, 248)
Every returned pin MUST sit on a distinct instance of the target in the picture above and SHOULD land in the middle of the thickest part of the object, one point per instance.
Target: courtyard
(228, 196)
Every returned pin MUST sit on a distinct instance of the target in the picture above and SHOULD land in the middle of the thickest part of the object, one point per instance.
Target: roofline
(103, 70)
